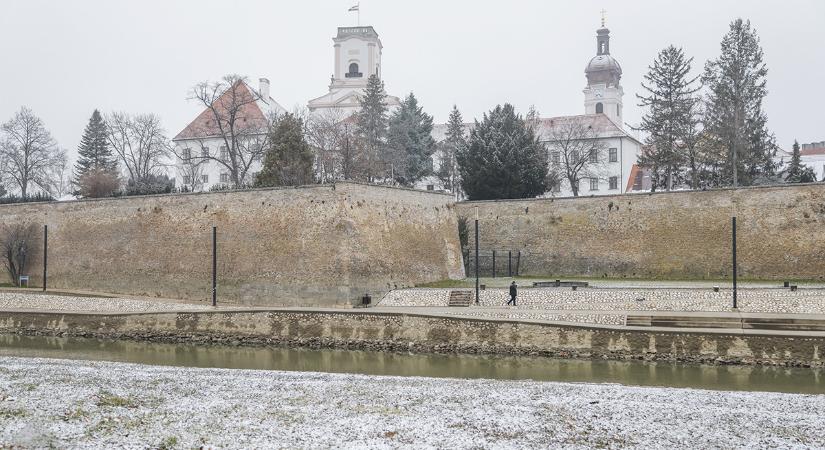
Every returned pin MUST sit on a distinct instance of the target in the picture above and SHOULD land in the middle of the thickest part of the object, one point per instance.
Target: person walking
(513, 293)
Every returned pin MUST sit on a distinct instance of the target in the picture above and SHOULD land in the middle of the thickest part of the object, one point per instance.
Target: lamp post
(214, 266)
(45, 255)
(733, 229)
(476, 255)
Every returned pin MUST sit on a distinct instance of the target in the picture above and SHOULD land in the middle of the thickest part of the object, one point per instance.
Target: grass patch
(168, 443)
(6, 413)
(108, 399)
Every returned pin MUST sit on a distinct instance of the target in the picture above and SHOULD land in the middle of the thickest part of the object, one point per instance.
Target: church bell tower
(603, 94)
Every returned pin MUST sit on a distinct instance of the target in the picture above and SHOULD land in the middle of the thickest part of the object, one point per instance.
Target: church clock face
(599, 93)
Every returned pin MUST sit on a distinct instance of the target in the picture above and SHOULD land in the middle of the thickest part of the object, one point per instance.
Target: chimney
(263, 88)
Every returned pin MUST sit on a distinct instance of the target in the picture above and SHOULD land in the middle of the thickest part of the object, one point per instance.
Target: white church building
(357, 55)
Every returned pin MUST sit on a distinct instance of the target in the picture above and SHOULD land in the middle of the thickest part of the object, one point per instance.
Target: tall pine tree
(796, 171)
(94, 153)
(504, 158)
(453, 143)
(288, 161)
(669, 119)
(734, 119)
(410, 141)
(371, 129)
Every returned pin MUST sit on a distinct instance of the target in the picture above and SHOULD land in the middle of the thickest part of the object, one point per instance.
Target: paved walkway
(17, 301)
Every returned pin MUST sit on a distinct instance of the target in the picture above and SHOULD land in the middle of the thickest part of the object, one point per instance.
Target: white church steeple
(357, 56)
(604, 92)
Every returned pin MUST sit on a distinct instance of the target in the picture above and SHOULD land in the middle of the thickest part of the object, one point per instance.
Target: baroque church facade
(357, 55)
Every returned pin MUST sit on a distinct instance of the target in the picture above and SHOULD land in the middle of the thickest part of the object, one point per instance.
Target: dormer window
(353, 71)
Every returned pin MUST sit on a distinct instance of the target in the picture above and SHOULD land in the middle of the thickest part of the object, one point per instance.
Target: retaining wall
(410, 332)
(781, 233)
(315, 245)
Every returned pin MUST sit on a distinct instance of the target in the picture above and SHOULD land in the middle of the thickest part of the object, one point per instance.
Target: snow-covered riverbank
(65, 403)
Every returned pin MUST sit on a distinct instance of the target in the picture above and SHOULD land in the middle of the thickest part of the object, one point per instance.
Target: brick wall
(781, 233)
(317, 245)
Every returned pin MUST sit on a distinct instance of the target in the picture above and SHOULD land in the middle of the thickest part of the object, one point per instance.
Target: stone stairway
(460, 298)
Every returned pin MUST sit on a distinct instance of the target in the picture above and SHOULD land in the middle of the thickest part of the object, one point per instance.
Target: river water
(739, 378)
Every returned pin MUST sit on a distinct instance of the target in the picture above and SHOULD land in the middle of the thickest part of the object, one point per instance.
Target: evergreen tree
(796, 171)
(669, 119)
(734, 118)
(371, 129)
(94, 153)
(453, 143)
(410, 141)
(504, 158)
(288, 161)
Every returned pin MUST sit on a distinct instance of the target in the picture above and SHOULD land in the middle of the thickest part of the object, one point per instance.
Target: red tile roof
(249, 115)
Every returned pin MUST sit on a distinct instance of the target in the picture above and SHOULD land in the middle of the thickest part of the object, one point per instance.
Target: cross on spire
(604, 13)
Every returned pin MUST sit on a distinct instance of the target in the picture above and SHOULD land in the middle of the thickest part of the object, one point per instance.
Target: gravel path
(803, 301)
(28, 301)
(63, 403)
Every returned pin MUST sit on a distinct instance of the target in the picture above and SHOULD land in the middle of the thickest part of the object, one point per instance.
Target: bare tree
(28, 150)
(575, 152)
(139, 141)
(233, 117)
(18, 242)
(58, 181)
(331, 134)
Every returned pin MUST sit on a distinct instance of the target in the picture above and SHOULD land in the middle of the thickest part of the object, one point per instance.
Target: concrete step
(460, 298)
(704, 321)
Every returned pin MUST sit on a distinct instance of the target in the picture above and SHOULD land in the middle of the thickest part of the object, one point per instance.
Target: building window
(557, 187)
(205, 152)
(186, 154)
(614, 183)
(594, 156)
(187, 179)
(224, 153)
(618, 111)
(614, 155)
(599, 108)
(204, 178)
(353, 71)
(430, 187)
(594, 184)
(224, 178)
(555, 157)
(574, 157)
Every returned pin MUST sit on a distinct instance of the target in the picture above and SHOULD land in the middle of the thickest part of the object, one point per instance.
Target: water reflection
(456, 366)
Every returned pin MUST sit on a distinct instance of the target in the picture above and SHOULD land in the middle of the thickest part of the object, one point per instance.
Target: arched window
(599, 108)
(353, 71)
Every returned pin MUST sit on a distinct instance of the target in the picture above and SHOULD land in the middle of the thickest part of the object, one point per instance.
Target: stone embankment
(410, 332)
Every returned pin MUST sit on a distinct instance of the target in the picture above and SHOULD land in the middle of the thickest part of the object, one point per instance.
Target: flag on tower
(355, 8)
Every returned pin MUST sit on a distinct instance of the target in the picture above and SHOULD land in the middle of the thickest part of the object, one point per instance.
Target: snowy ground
(30, 301)
(64, 403)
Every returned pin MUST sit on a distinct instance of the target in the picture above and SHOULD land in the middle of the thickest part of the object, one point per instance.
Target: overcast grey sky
(65, 58)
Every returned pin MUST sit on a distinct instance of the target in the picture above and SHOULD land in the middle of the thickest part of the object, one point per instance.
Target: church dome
(601, 63)
(603, 68)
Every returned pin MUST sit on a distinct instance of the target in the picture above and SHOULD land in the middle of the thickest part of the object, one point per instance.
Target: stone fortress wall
(317, 245)
(676, 235)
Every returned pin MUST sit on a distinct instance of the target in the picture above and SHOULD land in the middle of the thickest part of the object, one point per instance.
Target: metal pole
(214, 266)
(476, 254)
(45, 254)
(733, 224)
(509, 263)
(494, 263)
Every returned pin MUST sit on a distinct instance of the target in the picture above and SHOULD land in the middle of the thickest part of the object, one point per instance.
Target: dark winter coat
(513, 290)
